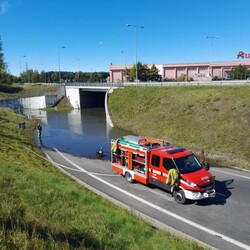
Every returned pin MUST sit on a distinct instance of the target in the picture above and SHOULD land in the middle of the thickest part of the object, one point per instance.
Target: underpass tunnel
(92, 99)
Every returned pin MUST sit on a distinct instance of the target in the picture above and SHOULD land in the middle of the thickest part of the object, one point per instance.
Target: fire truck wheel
(128, 177)
(179, 196)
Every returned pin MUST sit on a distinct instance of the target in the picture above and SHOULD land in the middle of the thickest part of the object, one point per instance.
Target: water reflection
(75, 121)
(79, 132)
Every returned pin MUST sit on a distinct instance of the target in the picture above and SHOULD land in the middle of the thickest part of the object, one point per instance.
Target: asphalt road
(222, 222)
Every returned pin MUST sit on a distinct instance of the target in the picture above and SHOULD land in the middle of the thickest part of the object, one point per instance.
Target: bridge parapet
(99, 84)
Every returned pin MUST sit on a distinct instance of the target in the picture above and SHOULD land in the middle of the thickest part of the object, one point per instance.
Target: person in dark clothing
(39, 130)
(202, 158)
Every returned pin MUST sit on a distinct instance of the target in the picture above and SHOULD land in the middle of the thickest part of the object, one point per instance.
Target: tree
(153, 74)
(7, 78)
(94, 77)
(54, 77)
(103, 76)
(239, 72)
(31, 76)
(182, 78)
(142, 72)
(4, 77)
(82, 77)
(2, 64)
(43, 76)
(35, 76)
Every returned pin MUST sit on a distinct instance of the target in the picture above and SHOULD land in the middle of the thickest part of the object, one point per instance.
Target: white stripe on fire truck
(186, 183)
(154, 171)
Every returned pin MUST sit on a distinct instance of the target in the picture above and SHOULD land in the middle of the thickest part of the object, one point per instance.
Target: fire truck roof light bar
(176, 150)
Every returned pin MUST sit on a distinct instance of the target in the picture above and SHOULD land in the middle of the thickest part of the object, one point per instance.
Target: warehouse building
(192, 71)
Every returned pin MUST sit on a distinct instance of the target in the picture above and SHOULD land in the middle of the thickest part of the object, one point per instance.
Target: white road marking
(224, 172)
(81, 170)
(72, 169)
(189, 222)
(112, 175)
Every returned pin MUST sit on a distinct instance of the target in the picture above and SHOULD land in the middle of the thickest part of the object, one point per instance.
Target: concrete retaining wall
(38, 102)
(108, 118)
(73, 95)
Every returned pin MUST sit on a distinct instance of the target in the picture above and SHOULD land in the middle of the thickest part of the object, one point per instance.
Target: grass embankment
(21, 91)
(41, 208)
(216, 119)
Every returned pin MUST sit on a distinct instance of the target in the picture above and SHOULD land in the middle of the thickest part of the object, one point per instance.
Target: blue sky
(94, 32)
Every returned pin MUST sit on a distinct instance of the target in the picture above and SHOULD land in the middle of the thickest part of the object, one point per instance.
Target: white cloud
(3, 7)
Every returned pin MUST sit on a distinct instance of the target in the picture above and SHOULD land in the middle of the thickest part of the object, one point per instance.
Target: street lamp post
(44, 71)
(136, 61)
(210, 51)
(78, 68)
(20, 64)
(59, 73)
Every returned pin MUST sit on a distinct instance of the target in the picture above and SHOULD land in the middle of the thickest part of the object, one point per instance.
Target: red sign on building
(243, 55)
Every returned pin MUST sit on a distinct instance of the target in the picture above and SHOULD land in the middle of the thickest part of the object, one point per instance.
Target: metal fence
(99, 84)
(175, 83)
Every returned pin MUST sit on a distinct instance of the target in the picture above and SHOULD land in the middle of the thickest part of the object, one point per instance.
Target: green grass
(216, 119)
(41, 208)
(21, 91)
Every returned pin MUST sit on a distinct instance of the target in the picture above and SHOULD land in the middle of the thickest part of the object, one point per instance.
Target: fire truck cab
(149, 162)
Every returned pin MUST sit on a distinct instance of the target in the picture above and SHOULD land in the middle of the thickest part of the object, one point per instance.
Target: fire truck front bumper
(191, 195)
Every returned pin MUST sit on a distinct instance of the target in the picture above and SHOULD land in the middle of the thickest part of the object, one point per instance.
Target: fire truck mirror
(207, 166)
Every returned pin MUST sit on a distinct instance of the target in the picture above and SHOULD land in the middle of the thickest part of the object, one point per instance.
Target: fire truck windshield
(187, 164)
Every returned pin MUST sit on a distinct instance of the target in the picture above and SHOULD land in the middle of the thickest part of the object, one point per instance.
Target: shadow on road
(222, 194)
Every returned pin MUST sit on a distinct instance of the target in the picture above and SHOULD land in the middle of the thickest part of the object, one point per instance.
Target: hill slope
(213, 118)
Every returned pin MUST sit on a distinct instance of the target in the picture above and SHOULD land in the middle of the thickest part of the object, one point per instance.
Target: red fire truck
(148, 162)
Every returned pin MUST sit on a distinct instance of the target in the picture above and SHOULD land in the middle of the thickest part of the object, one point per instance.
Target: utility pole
(59, 66)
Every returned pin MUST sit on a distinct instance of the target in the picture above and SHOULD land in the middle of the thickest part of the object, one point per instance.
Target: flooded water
(79, 132)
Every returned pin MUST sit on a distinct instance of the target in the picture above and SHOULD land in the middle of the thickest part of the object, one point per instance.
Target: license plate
(210, 194)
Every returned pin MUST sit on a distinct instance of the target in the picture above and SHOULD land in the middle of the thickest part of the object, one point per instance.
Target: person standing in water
(39, 130)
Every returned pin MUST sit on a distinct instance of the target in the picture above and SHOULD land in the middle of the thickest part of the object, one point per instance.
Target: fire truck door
(156, 173)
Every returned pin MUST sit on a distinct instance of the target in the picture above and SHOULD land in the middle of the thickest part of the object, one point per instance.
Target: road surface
(222, 222)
